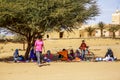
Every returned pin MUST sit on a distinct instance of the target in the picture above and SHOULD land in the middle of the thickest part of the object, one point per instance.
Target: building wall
(117, 33)
(116, 17)
(98, 33)
(83, 33)
(66, 34)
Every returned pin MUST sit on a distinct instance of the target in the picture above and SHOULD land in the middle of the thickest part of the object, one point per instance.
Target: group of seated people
(71, 55)
(66, 55)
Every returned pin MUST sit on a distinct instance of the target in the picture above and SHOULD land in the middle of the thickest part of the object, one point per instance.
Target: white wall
(98, 33)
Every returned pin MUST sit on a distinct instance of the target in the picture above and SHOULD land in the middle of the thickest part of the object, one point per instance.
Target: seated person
(89, 56)
(48, 56)
(77, 56)
(109, 55)
(32, 55)
(16, 55)
(63, 55)
(71, 55)
(78, 53)
(87, 50)
(21, 58)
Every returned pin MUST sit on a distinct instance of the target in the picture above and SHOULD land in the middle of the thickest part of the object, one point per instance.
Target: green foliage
(101, 26)
(90, 30)
(113, 29)
(44, 14)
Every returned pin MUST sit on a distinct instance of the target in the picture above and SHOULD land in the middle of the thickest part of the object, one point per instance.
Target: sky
(107, 8)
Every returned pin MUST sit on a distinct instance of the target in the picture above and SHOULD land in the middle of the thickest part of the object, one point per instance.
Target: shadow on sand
(6, 59)
(55, 59)
(45, 64)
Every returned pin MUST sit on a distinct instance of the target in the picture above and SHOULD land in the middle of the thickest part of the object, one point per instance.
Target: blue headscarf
(16, 53)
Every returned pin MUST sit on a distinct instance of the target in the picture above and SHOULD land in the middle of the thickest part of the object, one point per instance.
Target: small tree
(101, 27)
(113, 29)
(90, 30)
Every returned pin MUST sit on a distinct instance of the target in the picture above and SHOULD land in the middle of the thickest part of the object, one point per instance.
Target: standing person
(83, 46)
(39, 45)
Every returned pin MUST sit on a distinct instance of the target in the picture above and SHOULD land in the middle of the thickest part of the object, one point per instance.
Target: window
(61, 34)
(104, 31)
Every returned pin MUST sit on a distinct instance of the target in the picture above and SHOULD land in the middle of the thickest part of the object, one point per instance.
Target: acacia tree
(113, 29)
(33, 17)
(101, 27)
(90, 30)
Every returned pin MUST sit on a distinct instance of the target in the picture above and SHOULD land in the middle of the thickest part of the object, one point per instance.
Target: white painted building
(116, 17)
(98, 33)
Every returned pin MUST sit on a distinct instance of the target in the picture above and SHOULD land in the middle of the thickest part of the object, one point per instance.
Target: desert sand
(83, 70)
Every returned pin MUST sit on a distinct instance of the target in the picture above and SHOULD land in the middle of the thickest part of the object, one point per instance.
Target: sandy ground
(63, 70)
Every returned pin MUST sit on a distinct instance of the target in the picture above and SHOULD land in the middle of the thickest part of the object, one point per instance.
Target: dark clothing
(32, 54)
(109, 53)
(72, 55)
(16, 53)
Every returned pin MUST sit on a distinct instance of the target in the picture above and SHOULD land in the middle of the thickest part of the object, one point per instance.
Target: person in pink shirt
(39, 45)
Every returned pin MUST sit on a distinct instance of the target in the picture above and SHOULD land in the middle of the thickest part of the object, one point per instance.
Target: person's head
(40, 37)
(109, 49)
(83, 41)
(48, 52)
(77, 51)
(16, 50)
(71, 51)
(64, 49)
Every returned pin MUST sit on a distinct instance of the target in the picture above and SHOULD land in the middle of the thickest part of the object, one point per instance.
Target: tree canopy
(113, 28)
(32, 17)
(90, 30)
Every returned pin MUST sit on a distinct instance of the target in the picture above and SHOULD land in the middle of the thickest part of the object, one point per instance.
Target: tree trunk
(113, 34)
(27, 50)
(90, 34)
(101, 33)
(23, 45)
(30, 42)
